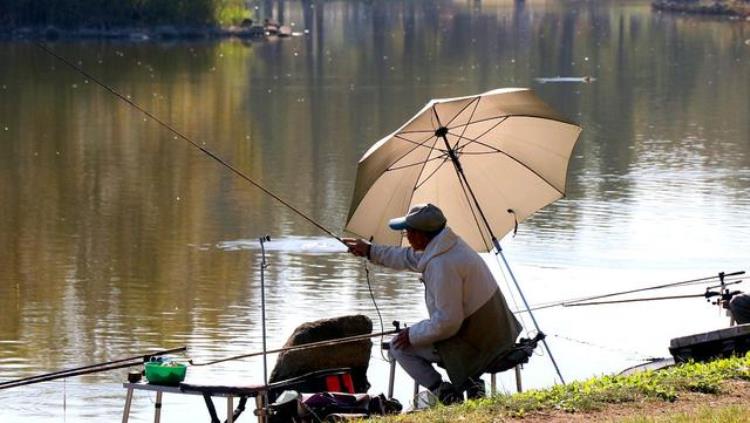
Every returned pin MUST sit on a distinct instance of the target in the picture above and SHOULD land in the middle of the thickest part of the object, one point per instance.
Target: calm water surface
(116, 239)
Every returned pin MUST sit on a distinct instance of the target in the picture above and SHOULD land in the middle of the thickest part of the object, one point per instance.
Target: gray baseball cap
(422, 217)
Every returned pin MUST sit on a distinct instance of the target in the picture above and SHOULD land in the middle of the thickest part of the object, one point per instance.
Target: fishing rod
(309, 345)
(187, 139)
(565, 303)
(206, 151)
(724, 294)
(634, 300)
(93, 368)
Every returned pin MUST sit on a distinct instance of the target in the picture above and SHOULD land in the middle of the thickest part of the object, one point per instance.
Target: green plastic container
(165, 373)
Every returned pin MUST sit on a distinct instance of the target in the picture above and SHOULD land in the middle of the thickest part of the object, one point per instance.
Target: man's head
(422, 223)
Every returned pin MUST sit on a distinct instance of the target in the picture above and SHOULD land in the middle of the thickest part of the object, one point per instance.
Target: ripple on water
(290, 244)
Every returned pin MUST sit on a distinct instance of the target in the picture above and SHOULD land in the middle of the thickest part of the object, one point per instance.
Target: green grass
(596, 393)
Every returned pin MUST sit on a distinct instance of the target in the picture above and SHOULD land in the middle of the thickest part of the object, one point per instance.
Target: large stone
(355, 355)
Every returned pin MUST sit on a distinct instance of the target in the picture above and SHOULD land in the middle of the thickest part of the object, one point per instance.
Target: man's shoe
(475, 388)
(447, 394)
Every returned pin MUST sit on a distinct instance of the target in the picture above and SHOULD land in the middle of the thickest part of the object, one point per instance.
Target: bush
(107, 14)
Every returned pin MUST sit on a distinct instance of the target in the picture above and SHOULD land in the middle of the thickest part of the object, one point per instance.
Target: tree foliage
(107, 14)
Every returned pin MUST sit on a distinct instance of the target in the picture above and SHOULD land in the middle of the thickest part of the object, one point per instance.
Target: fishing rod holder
(721, 290)
(262, 400)
(725, 297)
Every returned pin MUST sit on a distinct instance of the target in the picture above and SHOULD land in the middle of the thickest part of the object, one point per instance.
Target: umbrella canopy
(512, 148)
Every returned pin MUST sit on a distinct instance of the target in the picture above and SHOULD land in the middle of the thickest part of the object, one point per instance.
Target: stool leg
(260, 407)
(157, 407)
(391, 376)
(493, 384)
(128, 401)
(230, 410)
(519, 387)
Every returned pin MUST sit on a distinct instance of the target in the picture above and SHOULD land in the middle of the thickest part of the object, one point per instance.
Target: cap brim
(398, 224)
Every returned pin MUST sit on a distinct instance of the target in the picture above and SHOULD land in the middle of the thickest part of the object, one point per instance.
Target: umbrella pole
(499, 252)
(442, 132)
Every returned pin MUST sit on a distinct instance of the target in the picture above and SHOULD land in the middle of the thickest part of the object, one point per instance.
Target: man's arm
(397, 258)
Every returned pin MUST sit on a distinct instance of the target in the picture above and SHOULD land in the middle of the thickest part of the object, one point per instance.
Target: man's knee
(395, 353)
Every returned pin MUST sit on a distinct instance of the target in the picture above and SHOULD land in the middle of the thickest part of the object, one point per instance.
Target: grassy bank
(679, 384)
(122, 13)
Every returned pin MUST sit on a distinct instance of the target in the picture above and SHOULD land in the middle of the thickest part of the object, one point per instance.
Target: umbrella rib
(419, 184)
(515, 160)
(415, 164)
(477, 153)
(422, 144)
(475, 141)
(460, 137)
(521, 115)
(426, 131)
(476, 104)
(416, 144)
(501, 120)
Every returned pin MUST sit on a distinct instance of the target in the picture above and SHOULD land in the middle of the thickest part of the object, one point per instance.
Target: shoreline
(648, 396)
(732, 9)
(156, 33)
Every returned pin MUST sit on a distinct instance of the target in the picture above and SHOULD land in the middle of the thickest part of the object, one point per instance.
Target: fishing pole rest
(724, 295)
(721, 291)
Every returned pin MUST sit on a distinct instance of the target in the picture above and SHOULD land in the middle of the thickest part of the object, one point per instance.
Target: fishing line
(377, 309)
(188, 140)
(636, 355)
(209, 153)
(310, 345)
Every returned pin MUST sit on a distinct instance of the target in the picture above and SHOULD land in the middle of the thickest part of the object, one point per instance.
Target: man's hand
(358, 247)
(402, 340)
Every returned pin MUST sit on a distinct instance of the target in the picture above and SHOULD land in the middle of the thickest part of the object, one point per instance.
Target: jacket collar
(443, 242)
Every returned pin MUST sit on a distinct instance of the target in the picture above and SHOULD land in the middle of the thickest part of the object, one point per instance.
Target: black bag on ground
(329, 406)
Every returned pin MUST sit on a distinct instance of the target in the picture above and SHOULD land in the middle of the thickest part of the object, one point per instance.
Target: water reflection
(117, 238)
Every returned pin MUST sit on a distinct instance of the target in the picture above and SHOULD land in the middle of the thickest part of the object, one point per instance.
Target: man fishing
(469, 322)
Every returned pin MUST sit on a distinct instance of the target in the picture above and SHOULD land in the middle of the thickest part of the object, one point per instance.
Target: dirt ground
(734, 393)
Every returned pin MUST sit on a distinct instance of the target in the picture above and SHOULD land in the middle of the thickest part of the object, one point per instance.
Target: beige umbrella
(488, 161)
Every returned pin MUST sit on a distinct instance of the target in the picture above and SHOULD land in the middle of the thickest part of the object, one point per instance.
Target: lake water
(116, 238)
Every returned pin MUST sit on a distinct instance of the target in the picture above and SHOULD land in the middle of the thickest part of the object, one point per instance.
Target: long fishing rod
(93, 368)
(184, 137)
(306, 346)
(697, 281)
(634, 300)
(725, 295)
(72, 374)
(202, 149)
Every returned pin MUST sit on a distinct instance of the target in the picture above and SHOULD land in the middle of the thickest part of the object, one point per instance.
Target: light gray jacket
(457, 284)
